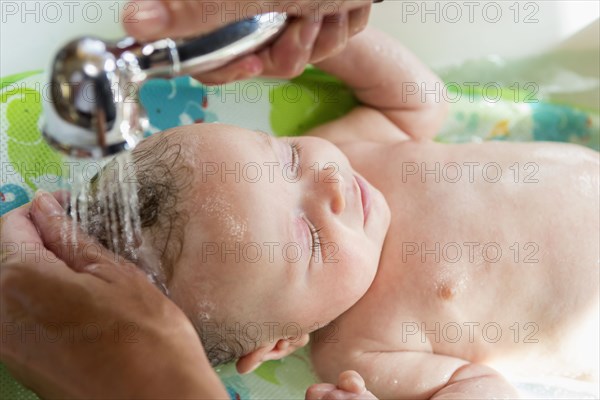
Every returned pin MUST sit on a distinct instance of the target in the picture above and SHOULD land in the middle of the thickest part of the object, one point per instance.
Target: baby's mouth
(365, 197)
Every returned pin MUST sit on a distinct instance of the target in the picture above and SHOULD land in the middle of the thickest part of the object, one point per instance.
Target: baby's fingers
(318, 390)
(343, 395)
(351, 381)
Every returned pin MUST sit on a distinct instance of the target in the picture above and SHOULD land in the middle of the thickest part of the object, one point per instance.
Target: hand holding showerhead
(94, 109)
(316, 30)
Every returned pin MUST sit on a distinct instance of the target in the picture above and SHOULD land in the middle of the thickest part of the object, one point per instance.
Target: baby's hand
(350, 386)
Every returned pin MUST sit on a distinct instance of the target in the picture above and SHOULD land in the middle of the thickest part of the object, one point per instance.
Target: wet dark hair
(221, 346)
(162, 177)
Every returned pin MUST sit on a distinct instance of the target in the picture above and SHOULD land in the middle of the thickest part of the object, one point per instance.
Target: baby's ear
(276, 351)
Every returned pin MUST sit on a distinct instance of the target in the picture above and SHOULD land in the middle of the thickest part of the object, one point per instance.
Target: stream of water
(106, 207)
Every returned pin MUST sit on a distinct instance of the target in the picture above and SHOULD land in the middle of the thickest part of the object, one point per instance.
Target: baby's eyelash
(296, 151)
(317, 240)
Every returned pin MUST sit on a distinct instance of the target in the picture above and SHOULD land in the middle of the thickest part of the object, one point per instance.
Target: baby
(421, 266)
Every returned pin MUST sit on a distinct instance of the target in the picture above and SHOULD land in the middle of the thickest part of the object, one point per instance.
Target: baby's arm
(419, 375)
(387, 77)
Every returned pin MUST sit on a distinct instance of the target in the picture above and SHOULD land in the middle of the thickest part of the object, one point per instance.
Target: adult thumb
(156, 19)
(69, 244)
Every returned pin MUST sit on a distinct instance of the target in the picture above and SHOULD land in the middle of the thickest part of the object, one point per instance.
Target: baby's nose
(333, 185)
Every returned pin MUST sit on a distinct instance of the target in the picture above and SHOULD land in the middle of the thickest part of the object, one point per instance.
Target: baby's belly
(481, 313)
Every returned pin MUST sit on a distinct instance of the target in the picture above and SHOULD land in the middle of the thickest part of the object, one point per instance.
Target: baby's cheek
(302, 239)
(358, 265)
(193, 285)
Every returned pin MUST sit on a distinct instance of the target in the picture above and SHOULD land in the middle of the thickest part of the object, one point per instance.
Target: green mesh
(10, 389)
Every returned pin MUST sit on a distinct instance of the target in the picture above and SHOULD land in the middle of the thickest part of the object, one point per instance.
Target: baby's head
(262, 240)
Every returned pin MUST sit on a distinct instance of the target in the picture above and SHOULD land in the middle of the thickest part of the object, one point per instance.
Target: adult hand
(79, 322)
(317, 29)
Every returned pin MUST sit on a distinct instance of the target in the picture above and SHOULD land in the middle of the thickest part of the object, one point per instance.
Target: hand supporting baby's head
(261, 240)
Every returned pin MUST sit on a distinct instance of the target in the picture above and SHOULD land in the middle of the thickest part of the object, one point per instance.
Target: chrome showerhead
(94, 109)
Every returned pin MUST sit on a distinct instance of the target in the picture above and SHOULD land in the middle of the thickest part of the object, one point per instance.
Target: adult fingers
(358, 19)
(285, 58)
(332, 38)
(245, 68)
(18, 236)
(156, 19)
(288, 56)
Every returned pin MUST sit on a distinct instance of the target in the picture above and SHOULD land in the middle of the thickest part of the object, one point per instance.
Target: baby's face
(278, 231)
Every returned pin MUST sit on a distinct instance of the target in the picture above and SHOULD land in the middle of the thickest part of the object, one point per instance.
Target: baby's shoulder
(563, 153)
(566, 153)
(560, 162)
